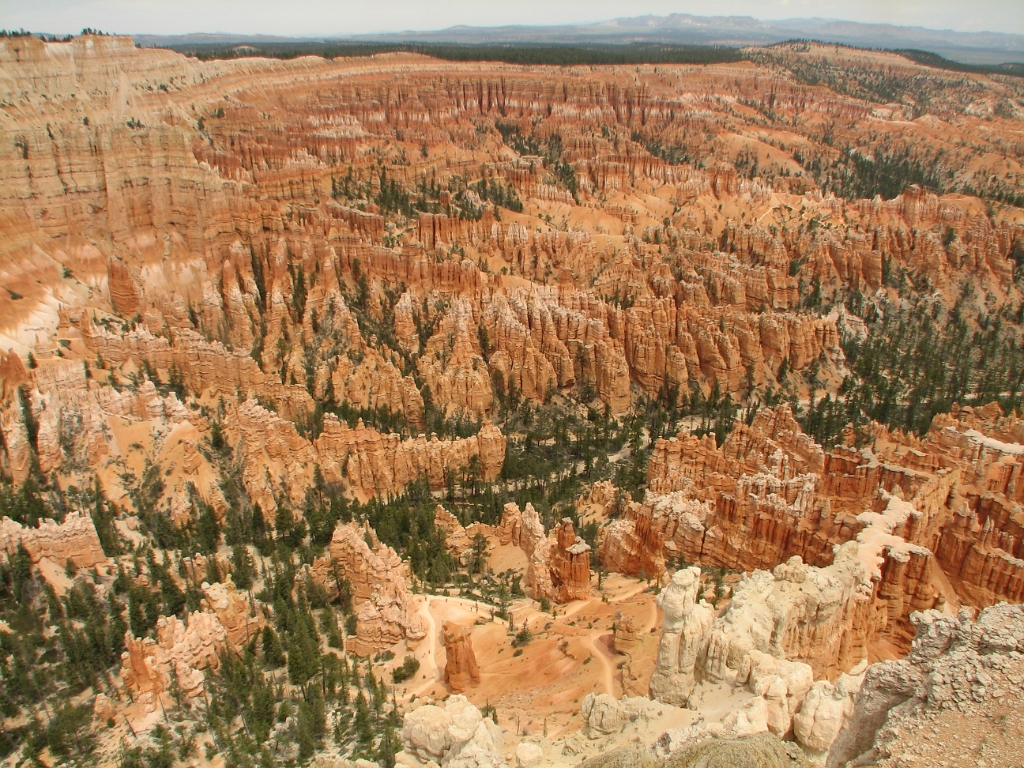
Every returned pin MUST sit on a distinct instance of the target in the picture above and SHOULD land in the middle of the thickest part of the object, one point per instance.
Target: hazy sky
(344, 17)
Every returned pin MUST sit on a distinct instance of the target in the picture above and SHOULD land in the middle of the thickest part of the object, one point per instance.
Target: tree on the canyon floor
(478, 560)
(273, 653)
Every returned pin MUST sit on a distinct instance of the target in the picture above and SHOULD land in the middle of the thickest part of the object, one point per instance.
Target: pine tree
(262, 542)
(207, 530)
(389, 744)
(303, 649)
(273, 654)
(103, 520)
(116, 628)
(304, 733)
(173, 597)
(136, 615)
(243, 568)
(21, 573)
(283, 522)
(363, 723)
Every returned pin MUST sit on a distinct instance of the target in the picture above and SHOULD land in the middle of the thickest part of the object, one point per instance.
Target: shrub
(409, 668)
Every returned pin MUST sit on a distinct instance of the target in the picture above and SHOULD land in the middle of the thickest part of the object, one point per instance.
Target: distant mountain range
(682, 29)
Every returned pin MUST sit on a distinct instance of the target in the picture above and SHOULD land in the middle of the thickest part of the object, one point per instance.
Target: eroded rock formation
(202, 293)
(183, 650)
(604, 714)
(685, 629)
(385, 608)
(456, 540)
(747, 646)
(625, 637)
(558, 563)
(770, 487)
(956, 665)
(454, 735)
(889, 528)
(460, 669)
(521, 528)
(204, 276)
(824, 617)
(72, 541)
(369, 462)
(234, 611)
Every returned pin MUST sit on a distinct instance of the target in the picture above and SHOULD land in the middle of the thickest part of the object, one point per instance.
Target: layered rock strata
(74, 540)
(220, 259)
(625, 638)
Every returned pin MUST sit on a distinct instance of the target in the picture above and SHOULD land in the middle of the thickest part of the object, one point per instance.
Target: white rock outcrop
(972, 668)
(742, 648)
(750, 719)
(823, 713)
(782, 684)
(453, 736)
(684, 637)
(604, 714)
(529, 755)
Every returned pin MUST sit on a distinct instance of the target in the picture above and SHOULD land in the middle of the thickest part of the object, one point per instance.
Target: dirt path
(652, 622)
(595, 649)
(575, 607)
(435, 673)
(480, 606)
(638, 589)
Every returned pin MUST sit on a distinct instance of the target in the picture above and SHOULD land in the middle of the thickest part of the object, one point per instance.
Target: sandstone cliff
(370, 463)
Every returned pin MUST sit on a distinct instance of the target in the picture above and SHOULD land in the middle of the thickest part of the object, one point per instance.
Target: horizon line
(343, 36)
